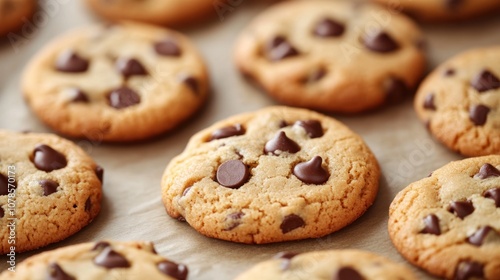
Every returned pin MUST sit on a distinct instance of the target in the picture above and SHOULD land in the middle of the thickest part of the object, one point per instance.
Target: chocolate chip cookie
(120, 82)
(332, 264)
(100, 260)
(449, 222)
(443, 10)
(332, 55)
(272, 175)
(165, 12)
(49, 190)
(459, 102)
(14, 13)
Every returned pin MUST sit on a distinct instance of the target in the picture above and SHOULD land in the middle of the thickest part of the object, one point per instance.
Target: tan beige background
(132, 206)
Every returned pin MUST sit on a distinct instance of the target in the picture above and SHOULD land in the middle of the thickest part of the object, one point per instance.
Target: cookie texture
(332, 55)
(49, 190)
(14, 13)
(332, 264)
(99, 260)
(449, 222)
(120, 82)
(443, 10)
(459, 102)
(272, 175)
(165, 12)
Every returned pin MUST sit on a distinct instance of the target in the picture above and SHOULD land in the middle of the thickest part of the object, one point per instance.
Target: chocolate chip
(291, 222)
(57, 273)
(100, 245)
(109, 258)
(285, 255)
(49, 186)
(186, 190)
(487, 171)
(315, 76)
(167, 47)
(281, 143)
(99, 172)
(485, 81)
(77, 95)
(69, 61)
(449, 72)
(234, 220)
(313, 128)
(478, 114)
(47, 159)
(123, 97)
(461, 208)
(311, 172)
(88, 204)
(4, 185)
(480, 235)
(282, 124)
(468, 269)
(380, 42)
(228, 131)
(328, 28)
(191, 82)
(453, 4)
(395, 90)
(232, 174)
(279, 48)
(2, 212)
(431, 223)
(493, 194)
(349, 273)
(177, 271)
(130, 67)
(429, 102)
(181, 219)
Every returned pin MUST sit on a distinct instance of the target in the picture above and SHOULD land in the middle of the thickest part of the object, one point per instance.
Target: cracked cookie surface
(100, 260)
(121, 82)
(449, 222)
(459, 102)
(14, 13)
(49, 190)
(332, 55)
(272, 175)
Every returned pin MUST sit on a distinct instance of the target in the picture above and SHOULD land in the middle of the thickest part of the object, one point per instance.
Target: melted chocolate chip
(2, 212)
(234, 219)
(57, 273)
(285, 255)
(380, 42)
(130, 67)
(232, 174)
(109, 258)
(99, 172)
(123, 97)
(480, 235)
(291, 222)
(461, 209)
(493, 194)
(311, 172)
(349, 273)
(177, 271)
(47, 159)
(395, 90)
(328, 28)
(487, 171)
(76, 95)
(429, 102)
(191, 82)
(485, 81)
(88, 204)
(279, 48)
(468, 269)
(100, 245)
(4, 185)
(281, 143)
(228, 131)
(313, 128)
(431, 223)
(69, 61)
(478, 114)
(167, 47)
(49, 186)
(450, 72)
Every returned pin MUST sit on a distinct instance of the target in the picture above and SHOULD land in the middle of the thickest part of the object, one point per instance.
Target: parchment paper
(132, 208)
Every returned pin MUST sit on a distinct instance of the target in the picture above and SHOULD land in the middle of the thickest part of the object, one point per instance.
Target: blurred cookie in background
(14, 13)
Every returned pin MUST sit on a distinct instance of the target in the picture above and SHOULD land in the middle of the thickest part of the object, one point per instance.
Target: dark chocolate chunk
(47, 159)
(478, 114)
(123, 97)
(234, 220)
(4, 185)
(99, 172)
(461, 209)
(130, 67)
(485, 81)
(349, 273)
(429, 102)
(281, 143)
(380, 42)
(480, 235)
(177, 271)
(291, 222)
(100, 245)
(395, 90)
(88, 204)
(431, 223)
(468, 269)
(57, 273)
(279, 48)
(167, 47)
(49, 186)
(311, 172)
(313, 128)
(493, 194)
(109, 258)
(328, 28)
(77, 95)
(232, 174)
(69, 61)
(487, 171)
(191, 82)
(2, 212)
(228, 131)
